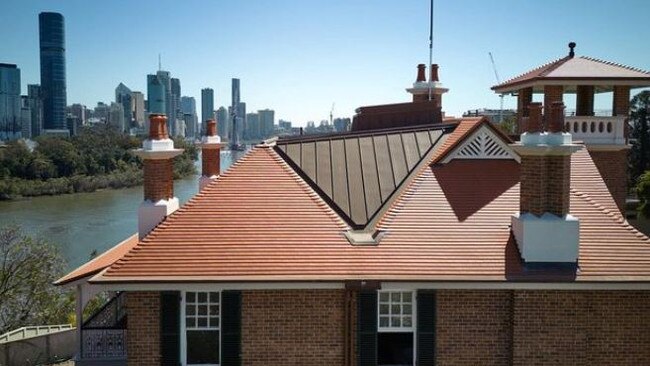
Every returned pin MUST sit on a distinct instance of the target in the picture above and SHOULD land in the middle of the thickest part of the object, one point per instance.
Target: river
(81, 223)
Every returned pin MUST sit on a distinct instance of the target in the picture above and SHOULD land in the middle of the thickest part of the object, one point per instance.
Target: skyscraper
(53, 81)
(188, 107)
(36, 108)
(137, 109)
(123, 97)
(252, 131)
(222, 123)
(116, 116)
(25, 117)
(267, 120)
(207, 105)
(235, 112)
(10, 104)
(176, 114)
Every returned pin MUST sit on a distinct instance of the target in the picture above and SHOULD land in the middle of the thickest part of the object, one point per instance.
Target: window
(396, 328)
(201, 315)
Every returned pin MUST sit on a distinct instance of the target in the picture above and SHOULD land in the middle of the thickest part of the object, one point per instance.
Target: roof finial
(572, 45)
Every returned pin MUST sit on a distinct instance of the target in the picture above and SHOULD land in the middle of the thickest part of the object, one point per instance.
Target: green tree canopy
(27, 269)
(640, 119)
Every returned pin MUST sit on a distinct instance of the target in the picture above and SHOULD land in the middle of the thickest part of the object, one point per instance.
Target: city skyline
(286, 58)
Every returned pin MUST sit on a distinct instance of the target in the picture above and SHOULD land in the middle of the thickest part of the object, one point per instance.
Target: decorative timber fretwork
(482, 144)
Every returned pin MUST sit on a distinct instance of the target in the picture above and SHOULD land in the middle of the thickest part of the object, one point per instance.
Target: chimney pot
(434, 73)
(534, 124)
(211, 127)
(158, 127)
(556, 120)
(421, 73)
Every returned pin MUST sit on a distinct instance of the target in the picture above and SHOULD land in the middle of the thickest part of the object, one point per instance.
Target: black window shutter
(170, 324)
(426, 328)
(231, 328)
(367, 328)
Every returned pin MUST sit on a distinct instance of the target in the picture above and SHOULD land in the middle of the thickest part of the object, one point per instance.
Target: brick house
(422, 241)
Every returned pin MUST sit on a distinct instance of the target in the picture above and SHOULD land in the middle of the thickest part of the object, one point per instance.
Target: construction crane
(496, 75)
(332, 114)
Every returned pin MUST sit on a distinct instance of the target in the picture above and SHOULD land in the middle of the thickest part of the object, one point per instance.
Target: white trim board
(482, 144)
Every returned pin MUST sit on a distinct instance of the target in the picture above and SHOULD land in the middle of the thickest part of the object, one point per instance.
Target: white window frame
(391, 329)
(183, 326)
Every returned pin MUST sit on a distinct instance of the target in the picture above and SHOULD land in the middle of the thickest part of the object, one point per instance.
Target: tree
(640, 118)
(508, 125)
(27, 269)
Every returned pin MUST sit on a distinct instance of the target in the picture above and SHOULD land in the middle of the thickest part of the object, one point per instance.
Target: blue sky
(300, 56)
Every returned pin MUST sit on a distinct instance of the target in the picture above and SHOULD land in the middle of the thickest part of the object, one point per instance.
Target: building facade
(207, 104)
(267, 122)
(53, 70)
(10, 102)
(35, 101)
(223, 123)
(138, 110)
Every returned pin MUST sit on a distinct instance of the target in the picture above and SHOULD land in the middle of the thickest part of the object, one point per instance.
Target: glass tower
(53, 85)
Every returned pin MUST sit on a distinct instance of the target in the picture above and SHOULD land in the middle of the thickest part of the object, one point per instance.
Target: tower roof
(571, 71)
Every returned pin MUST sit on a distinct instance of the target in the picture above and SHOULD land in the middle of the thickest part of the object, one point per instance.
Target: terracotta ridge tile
(612, 63)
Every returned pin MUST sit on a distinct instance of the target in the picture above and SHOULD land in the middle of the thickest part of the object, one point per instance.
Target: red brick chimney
(157, 154)
(210, 154)
(421, 74)
(544, 229)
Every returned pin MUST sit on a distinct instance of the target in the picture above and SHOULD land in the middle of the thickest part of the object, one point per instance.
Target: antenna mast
(430, 44)
(496, 75)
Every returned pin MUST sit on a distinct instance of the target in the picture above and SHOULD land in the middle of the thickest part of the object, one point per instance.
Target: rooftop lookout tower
(604, 136)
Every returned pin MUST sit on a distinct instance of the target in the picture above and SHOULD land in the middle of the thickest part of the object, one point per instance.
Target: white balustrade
(594, 130)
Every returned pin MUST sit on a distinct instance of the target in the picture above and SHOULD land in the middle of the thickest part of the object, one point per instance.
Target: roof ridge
(541, 67)
(612, 63)
(616, 217)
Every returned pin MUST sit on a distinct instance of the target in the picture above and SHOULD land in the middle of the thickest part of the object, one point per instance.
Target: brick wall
(621, 100)
(552, 93)
(545, 184)
(158, 179)
(143, 332)
(292, 327)
(211, 162)
(473, 327)
(581, 328)
(612, 166)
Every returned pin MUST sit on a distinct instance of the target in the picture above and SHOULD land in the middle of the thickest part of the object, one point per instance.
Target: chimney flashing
(547, 238)
(150, 214)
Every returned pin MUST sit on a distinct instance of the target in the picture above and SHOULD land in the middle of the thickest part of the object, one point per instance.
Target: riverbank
(83, 223)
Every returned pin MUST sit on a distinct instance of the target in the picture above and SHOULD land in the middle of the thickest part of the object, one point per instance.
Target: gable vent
(483, 144)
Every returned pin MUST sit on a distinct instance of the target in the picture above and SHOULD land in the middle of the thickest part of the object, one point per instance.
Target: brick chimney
(210, 154)
(420, 89)
(544, 229)
(157, 154)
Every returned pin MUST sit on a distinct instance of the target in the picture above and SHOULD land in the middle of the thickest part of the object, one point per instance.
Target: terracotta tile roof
(261, 222)
(100, 262)
(258, 217)
(576, 68)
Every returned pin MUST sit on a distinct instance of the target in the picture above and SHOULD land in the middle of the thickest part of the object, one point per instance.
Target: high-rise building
(252, 131)
(207, 105)
(223, 123)
(188, 107)
(237, 114)
(123, 97)
(342, 124)
(137, 109)
(53, 79)
(101, 112)
(177, 114)
(10, 102)
(25, 117)
(267, 120)
(155, 95)
(36, 108)
(116, 116)
(79, 112)
(284, 125)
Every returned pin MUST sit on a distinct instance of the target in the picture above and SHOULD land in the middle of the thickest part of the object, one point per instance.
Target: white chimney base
(204, 181)
(548, 238)
(150, 214)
